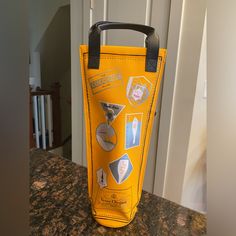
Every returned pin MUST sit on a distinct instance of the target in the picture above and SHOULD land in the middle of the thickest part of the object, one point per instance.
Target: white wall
(194, 190)
(40, 15)
(221, 118)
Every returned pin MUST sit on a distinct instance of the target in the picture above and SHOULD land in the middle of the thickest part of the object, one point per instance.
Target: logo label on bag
(104, 81)
(101, 178)
(138, 89)
(121, 168)
(111, 110)
(133, 125)
(106, 136)
(111, 199)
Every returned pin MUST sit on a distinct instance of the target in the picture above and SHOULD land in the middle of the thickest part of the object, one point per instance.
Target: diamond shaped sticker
(121, 168)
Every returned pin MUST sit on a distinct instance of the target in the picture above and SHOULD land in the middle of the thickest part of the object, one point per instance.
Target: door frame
(173, 44)
(76, 16)
(185, 35)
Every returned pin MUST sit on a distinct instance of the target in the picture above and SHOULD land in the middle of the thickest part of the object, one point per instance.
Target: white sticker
(101, 178)
(133, 126)
(111, 110)
(137, 92)
(121, 168)
(106, 136)
(138, 89)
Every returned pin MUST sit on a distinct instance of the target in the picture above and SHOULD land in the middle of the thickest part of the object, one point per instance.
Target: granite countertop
(59, 205)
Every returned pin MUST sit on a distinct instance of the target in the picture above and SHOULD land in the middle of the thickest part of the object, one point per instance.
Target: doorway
(50, 76)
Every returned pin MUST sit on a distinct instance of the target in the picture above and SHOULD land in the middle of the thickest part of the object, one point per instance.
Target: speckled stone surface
(59, 205)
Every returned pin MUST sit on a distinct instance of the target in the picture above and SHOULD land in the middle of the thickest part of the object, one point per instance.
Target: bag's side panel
(82, 50)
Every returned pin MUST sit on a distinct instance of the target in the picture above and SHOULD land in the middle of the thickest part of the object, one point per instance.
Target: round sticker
(106, 136)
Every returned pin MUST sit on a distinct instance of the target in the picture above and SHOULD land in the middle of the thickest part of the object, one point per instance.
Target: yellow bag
(120, 91)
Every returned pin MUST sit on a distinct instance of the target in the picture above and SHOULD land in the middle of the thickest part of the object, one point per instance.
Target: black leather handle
(152, 42)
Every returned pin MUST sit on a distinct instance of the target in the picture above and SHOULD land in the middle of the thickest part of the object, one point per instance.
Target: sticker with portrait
(138, 89)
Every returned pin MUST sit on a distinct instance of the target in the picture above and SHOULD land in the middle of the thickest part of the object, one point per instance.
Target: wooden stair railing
(46, 118)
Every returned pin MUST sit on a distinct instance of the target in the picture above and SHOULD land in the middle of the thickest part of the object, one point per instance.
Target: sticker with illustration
(138, 89)
(121, 168)
(101, 178)
(133, 126)
(106, 80)
(106, 136)
(111, 110)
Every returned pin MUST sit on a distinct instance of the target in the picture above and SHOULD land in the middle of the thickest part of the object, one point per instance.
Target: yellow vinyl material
(119, 105)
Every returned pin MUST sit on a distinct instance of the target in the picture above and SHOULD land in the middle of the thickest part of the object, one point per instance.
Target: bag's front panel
(120, 100)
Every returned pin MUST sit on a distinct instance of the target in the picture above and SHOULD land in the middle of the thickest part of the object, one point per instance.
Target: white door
(171, 19)
(154, 13)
